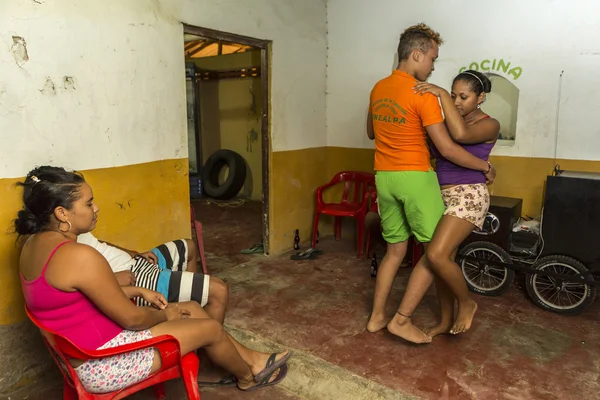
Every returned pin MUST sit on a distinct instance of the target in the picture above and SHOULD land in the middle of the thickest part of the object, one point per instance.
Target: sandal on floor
(306, 255)
(256, 249)
(228, 381)
(283, 370)
(271, 366)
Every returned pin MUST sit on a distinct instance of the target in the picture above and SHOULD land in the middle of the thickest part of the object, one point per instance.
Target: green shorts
(410, 202)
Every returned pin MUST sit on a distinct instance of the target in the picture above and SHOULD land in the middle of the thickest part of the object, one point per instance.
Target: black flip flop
(283, 370)
(271, 366)
(306, 254)
(228, 381)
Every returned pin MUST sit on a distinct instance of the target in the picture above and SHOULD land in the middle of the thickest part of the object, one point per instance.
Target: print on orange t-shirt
(399, 120)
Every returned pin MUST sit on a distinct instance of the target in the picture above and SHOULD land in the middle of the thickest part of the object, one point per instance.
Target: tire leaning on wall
(235, 179)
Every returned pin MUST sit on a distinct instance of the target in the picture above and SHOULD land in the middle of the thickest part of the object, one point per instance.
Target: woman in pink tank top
(70, 289)
(464, 192)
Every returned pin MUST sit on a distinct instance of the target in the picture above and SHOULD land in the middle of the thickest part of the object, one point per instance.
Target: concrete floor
(319, 309)
(514, 350)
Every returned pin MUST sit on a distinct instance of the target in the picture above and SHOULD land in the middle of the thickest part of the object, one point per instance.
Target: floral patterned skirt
(109, 374)
(468, 202)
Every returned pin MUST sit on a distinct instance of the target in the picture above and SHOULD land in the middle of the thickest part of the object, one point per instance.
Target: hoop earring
(66, 222)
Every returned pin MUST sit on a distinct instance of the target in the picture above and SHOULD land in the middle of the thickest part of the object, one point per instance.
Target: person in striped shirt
(169, 269)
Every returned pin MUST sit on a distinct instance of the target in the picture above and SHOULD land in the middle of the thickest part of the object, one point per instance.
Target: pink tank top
(69, 314)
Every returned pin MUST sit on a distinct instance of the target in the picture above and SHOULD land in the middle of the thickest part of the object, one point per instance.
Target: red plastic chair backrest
(356, 185)
(55, 344)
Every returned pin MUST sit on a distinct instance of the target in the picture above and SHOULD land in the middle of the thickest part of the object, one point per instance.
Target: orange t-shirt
(399, 120)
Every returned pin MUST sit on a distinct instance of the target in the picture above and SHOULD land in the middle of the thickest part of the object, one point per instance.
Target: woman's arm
(84, 269)
(485, 130)
(131, 291)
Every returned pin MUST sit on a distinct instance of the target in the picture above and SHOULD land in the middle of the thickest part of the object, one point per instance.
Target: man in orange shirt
(408, 192)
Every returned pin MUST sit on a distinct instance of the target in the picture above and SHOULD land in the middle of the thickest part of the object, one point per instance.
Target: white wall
(127, 101)
(125, 58)
(543, 37)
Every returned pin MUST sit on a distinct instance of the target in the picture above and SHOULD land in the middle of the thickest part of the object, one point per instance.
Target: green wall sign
(495, 66)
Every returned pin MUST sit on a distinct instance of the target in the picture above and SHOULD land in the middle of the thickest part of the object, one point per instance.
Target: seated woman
(70, 288)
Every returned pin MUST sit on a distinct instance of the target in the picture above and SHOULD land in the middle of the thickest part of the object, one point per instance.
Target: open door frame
(263, 45)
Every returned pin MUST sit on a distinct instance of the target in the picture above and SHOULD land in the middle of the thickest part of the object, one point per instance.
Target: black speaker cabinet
(504, 212)
(571, 217)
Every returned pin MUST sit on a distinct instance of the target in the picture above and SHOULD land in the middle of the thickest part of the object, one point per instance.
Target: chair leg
(338, 228)
(360, 233)
(200, 244)
(417, 251)
(368, 247)
(189, 374)
(315, 229)
(69, 393)
(159, 391)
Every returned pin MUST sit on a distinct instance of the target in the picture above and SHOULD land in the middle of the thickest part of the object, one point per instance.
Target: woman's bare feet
(440, 329)
(466, 312)
(377, 323)
(404, 328)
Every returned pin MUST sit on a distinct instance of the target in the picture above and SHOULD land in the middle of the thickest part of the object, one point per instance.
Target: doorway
(228, 100)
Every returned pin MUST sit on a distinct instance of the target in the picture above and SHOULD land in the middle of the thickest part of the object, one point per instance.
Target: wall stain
(69, 83)
(124, 206)
(49, 87)
(19, 50)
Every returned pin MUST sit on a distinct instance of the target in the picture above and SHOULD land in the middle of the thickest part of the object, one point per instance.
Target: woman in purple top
(464, 192)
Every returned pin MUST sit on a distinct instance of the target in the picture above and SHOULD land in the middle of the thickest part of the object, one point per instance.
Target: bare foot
(376, 324)
(407, 331)
(260, 362)
(464, 318)
(440, 329)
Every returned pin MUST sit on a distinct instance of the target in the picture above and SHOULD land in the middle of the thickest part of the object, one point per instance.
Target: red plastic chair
(417, 248)
(354, 203)
(197, 227)
(173, 365)
(373, 208)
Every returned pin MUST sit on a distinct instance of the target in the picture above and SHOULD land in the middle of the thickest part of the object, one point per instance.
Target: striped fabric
(172, 255)
(170, 277)
(146, 276)
(186, 286)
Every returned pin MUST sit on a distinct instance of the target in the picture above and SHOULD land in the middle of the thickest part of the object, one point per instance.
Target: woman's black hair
(44, 189)
(478, 82)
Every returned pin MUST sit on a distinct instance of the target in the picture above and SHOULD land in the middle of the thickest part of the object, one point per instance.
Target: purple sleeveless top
(449, 173)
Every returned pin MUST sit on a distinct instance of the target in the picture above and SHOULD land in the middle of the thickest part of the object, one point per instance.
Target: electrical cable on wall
(556, 167)
(558, 98)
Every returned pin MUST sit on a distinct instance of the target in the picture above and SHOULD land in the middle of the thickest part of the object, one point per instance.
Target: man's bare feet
(466, 312)
(440, 329)
(377, 323)
(407, 331)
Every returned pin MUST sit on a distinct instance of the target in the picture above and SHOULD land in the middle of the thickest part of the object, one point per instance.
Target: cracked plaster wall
(93, 84)
(89, 84)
